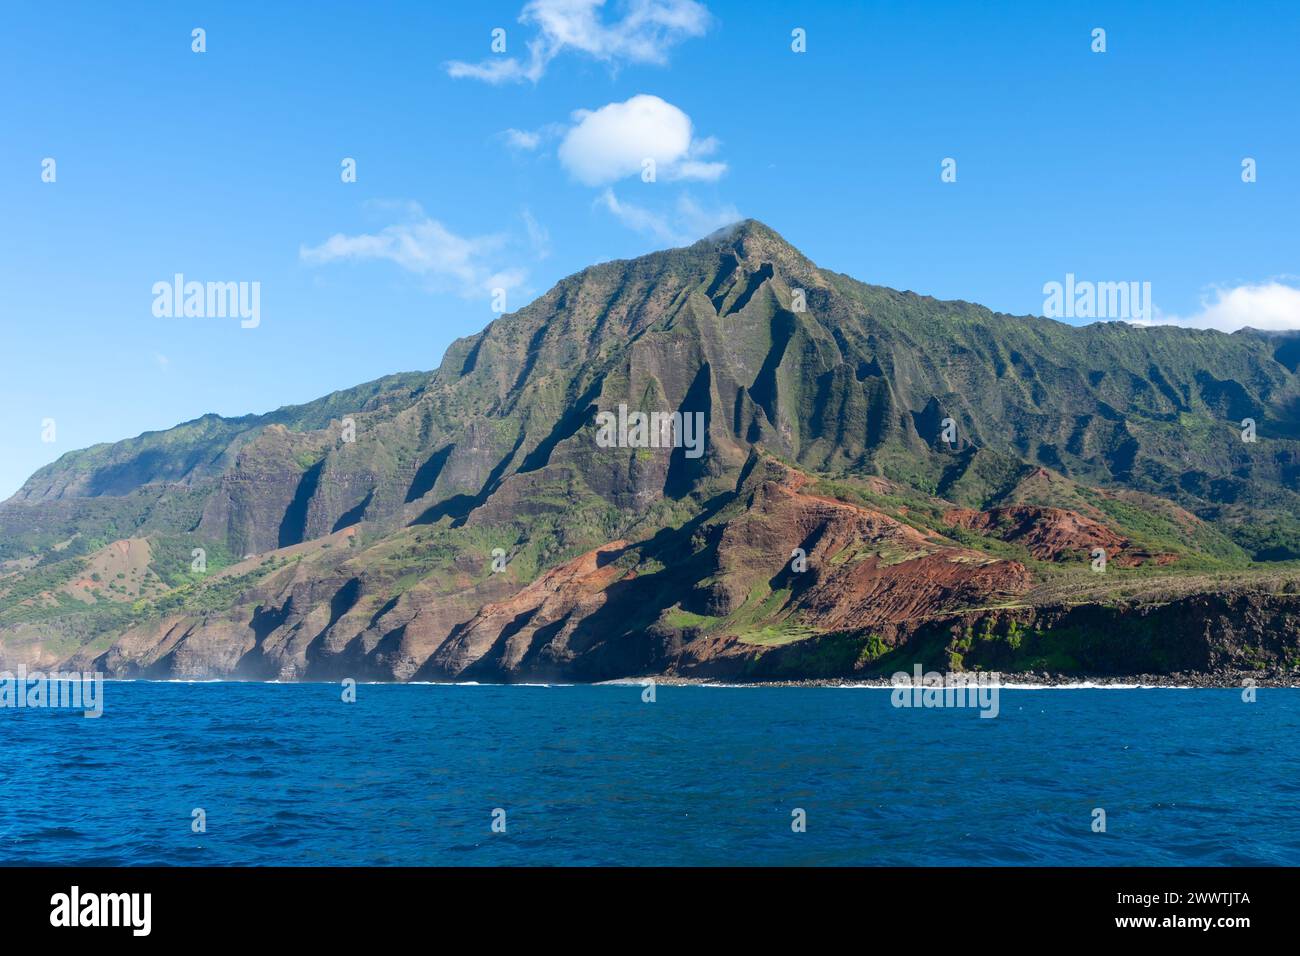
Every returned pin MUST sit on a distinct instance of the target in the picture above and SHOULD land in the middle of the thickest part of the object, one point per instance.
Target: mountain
(884, 478)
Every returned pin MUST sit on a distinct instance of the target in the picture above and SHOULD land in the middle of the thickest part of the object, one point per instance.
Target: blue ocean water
(410, 774)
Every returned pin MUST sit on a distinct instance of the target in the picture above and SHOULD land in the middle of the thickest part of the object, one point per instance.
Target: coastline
(1030, 680)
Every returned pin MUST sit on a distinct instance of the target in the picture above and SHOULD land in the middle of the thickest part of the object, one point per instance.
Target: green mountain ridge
(374, 555)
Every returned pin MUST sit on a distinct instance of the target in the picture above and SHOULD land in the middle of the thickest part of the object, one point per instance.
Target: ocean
(289, 774)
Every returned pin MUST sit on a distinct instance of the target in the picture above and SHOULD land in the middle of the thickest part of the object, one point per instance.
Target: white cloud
(698, 222)
(468, 266)
(694, 169)
(644, 34)
(539, 237)
(494, 71)
(684, 224)
(531, 140)
(638, 217)
(1269, 306)
(610, 143)
(522, 139)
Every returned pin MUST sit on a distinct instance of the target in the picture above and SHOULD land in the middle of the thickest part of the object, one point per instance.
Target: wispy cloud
(531, 140)
(539, 237)
(683, 224)
(1270, 306)
(466, 265)
(522, 139)
(645, 33)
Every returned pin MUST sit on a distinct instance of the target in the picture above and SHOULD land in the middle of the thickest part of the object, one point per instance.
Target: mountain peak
(755, 242)
(744, 229)
(893, 438)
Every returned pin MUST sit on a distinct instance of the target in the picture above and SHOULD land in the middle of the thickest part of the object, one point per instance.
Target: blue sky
(225, 166)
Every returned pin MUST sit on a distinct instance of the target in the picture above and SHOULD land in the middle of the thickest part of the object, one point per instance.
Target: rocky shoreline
(1026, 680)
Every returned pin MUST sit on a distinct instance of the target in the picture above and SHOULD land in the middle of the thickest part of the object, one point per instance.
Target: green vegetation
(1131, 428)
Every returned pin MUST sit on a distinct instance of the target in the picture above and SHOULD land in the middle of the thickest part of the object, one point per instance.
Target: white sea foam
(639, 682)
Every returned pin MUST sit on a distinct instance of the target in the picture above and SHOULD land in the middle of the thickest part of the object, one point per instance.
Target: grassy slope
(1119, 409)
